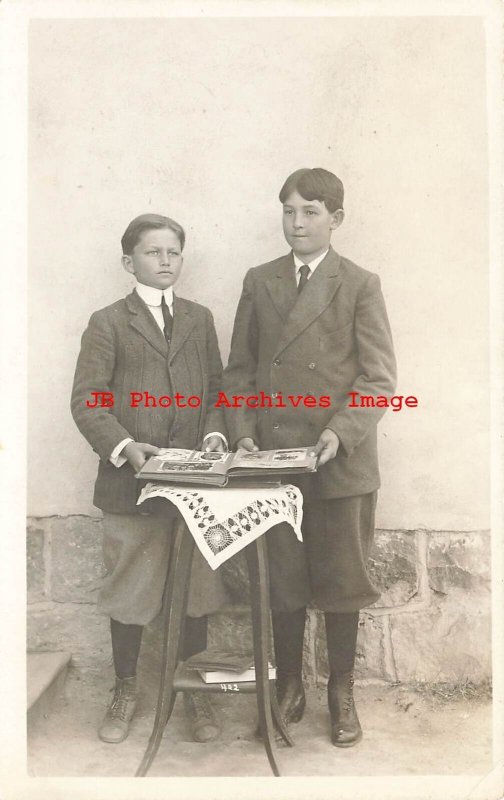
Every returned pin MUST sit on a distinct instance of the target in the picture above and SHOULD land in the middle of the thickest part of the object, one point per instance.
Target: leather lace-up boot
(204, 721)
(115, 726)
(291, 697)
(345, 726)
(291, 701)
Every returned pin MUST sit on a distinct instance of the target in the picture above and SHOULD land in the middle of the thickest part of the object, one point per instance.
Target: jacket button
(276, 362)
(276, 426)
(312, 365)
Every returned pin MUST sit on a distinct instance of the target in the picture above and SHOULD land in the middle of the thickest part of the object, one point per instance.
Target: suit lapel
(315, 297)
(183, 323)
(143, 322)
(282, 287)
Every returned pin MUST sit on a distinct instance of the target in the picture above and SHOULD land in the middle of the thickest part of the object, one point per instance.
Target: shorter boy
(149, 341)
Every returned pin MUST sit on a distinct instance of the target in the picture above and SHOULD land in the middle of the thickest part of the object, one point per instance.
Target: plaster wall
(202, 119)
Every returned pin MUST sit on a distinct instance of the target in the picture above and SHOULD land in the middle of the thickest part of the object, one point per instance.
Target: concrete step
(46, 675)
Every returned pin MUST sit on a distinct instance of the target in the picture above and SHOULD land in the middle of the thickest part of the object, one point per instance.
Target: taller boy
(314, 323)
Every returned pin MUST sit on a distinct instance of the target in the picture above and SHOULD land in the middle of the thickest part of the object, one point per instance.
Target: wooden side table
(173, 613)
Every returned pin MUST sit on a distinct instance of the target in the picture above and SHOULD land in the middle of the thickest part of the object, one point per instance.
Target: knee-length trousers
(136, 552)
(330, 566)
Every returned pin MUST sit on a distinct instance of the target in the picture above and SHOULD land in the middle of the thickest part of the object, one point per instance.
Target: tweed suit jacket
(123, 351)
(332, 339)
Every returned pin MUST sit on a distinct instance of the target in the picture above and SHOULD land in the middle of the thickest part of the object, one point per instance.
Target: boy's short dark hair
(146, 222)
(315, 184)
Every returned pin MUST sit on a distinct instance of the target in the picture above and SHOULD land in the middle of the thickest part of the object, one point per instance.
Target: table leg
(173, 615)
(259, 601)
(264, 597)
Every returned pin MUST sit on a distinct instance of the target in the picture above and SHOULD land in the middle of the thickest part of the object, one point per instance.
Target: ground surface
(405, 733)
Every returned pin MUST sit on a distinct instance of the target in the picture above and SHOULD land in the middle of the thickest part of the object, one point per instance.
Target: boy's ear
(127, 263)
(337, 218)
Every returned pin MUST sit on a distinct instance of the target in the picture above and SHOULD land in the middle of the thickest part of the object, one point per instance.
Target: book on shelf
(215, 659)
(175, 465)
(223, 666)
(226, 676)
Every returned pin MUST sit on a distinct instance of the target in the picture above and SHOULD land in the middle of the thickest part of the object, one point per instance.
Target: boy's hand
(215, 444)
(247, 443)
(326, 447)
(137, 453)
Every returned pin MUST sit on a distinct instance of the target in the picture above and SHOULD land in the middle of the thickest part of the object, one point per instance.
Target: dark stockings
(288, 635)
(341, 631)
(126, 641)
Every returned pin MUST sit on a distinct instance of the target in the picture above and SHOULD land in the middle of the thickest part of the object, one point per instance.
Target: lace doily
(224, 521)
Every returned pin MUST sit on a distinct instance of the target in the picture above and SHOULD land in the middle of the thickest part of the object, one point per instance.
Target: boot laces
(346, 700)
(119, 705)
(348, 704)
(349, 701)
(200, 704)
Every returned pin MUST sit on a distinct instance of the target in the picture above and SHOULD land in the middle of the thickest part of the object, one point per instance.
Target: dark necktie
(304, 271)
(167, 319)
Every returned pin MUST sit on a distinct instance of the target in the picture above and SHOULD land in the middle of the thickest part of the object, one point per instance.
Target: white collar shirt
(152, 298)
(298, 262)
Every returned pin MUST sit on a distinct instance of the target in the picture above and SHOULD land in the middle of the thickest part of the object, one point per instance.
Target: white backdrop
(202, 119)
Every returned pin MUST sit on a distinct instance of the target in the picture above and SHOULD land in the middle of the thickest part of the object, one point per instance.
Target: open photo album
(217, 469)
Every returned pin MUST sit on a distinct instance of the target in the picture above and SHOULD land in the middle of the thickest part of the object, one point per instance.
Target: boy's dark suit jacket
(123, 351)
(331, 339)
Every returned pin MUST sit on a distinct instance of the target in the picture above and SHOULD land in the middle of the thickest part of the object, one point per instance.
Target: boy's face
(156, 259)
(308, 225)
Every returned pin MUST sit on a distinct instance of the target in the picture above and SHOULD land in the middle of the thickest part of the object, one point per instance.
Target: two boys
(309, 323)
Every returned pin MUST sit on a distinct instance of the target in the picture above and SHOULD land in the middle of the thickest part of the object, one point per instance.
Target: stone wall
(432, 622)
